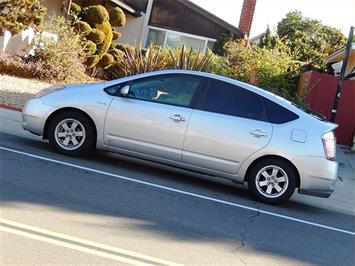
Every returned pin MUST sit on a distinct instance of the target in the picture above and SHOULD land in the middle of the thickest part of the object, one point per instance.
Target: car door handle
(177, 118)
(258, 133)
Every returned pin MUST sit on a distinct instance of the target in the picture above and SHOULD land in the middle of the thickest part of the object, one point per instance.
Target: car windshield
(311, 112)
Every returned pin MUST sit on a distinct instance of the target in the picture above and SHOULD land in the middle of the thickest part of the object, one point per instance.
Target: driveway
(106, 209)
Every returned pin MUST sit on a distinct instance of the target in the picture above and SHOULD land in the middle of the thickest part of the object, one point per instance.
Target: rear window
(228, 99)
(278, 114)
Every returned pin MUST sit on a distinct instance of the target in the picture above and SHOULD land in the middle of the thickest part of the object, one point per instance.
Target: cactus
(96, 25)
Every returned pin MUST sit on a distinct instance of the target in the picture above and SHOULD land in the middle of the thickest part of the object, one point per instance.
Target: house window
(175, 39)
(210, 44)
(155, 37)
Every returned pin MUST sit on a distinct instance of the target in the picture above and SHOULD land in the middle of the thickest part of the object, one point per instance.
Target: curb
(10, 107)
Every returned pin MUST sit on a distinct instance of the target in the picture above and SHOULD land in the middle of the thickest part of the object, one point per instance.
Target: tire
(272, 181)
(71, 133)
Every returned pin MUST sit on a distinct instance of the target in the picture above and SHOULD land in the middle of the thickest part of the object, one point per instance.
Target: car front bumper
(317, 175)
(34, 116)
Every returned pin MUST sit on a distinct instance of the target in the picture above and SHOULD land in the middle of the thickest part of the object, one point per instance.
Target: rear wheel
(272, 181)
(71, 133)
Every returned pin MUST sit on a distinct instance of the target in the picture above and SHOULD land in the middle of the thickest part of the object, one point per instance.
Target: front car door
(152, 119)
(226, 128)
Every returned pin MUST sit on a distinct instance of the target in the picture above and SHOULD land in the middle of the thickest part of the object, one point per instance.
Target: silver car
(197, 121)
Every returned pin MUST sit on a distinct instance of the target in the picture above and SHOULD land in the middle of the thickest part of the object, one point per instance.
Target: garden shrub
(103, 47)
(96, 15)
(137, 60)
(82, 27)
(117, 54)
(65, 57)
(270, 68)
(117, 17)
(116, 35)
(101, 32)
(106, 60)
(91, 61)
(96, 36)
(14, 65)
(89, 47)
(18, 15)
(75, 8)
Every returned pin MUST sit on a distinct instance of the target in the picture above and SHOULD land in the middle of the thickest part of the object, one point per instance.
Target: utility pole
(341, 76)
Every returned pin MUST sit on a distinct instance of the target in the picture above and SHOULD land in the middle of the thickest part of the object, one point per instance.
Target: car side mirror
(125, 90)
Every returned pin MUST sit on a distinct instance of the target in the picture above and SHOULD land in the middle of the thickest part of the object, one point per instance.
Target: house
(170, 23)
(336, 59)
(161, 22)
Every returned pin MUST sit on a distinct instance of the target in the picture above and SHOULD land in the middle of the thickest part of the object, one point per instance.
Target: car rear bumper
(317, 175)
(34, 116)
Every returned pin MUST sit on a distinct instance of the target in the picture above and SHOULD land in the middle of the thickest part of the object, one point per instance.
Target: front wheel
(71, 133)
(272, 181)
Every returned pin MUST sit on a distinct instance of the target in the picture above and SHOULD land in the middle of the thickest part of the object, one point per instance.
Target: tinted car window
(278, 114)
(170, 89)
(225, 98)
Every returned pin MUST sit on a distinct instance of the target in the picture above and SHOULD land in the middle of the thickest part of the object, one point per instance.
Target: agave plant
(138, 60)
(182, 58)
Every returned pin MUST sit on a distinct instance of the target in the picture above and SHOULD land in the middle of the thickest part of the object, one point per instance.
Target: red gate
(320, 91)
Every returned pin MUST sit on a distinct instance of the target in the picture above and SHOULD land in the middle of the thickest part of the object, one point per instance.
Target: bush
(90, 47)
(96, 15)
(103, 47)
(20, 15)
(19, 67)
(106, 60)
(270, 68)
(117, 17)
(115, 35)
(75, 8)
(97, 36)
(102, 32)
(82, 27)
(65, 57)
(91, 61)
(117, 54)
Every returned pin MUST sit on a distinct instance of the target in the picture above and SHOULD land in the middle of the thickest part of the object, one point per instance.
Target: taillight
(329, 145)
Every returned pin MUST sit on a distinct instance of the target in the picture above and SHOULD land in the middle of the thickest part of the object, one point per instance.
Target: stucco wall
(132, 31)
(53, 7)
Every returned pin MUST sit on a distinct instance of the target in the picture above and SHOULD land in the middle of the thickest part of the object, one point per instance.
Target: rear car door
(227, 126)
(152, 119)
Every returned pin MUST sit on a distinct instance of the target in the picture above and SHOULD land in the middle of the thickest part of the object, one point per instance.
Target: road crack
(243, 233)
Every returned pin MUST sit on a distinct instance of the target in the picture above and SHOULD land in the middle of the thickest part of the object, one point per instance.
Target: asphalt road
(103, 209)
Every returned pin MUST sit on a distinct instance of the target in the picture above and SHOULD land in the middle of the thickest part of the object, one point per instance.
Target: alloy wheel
(271, 181)
(70, 134)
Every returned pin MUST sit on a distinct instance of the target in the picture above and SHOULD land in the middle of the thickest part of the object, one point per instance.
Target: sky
(336, 13)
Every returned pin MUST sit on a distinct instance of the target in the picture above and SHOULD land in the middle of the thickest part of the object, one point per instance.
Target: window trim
(167, 31)
(192, 104)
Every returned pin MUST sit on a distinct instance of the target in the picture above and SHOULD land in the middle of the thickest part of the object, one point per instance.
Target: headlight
(49, 90)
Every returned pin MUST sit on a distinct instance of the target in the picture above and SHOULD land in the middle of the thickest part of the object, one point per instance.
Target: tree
(267, 39)
(309, 40)
(218, 47)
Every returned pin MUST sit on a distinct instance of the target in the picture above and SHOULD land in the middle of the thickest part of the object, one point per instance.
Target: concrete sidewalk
(342, 200)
